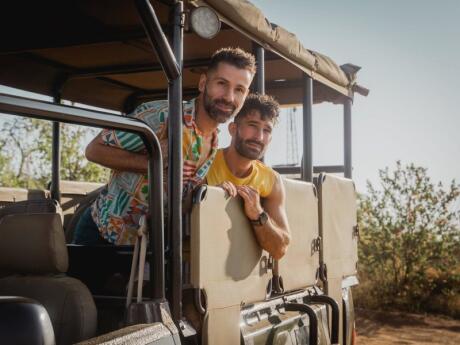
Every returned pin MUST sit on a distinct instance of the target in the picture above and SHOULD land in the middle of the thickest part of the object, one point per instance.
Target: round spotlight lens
(205, 22)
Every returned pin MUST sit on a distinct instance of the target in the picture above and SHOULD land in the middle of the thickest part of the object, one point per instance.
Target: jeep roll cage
(100, 54)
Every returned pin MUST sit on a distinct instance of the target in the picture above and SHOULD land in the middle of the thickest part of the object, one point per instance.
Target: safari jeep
(207, 280)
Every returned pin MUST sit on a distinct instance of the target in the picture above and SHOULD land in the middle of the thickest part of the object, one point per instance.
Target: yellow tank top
(261, 178)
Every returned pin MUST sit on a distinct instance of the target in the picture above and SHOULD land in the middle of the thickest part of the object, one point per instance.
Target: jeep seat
(297, 268)
(227, 264)
(34, 253)
(11, 195)
(73, 194)
(338, 230)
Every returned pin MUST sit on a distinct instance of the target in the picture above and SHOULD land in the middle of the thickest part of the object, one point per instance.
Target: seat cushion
(68, 302)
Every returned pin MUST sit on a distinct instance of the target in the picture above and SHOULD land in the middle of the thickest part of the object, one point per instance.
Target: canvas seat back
(298, 266)
(73, 193)
(338, 225)
(34, 255)
(11, 195)
(338, 230)
(227, 264)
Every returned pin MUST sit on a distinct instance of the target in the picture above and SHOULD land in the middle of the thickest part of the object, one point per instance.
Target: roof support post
(347, 137)
(307, 165)
(169, 64)
(175, 165)
(56, 158)
(259, 80)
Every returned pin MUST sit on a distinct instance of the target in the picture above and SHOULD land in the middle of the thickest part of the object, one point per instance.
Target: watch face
(263, 218)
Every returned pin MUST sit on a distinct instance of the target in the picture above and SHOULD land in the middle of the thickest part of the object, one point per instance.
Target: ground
(382, 328)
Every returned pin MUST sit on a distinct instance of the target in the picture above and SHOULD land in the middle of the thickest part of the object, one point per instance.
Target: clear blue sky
(409, 52)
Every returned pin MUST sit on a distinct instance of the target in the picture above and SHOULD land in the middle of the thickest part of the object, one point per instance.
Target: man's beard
(247, 151)
(214, 112)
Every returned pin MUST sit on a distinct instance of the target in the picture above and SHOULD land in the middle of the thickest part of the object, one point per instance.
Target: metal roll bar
(335, 314)
(313, 320)
(158, 39)
(175, 165)
(61, 113)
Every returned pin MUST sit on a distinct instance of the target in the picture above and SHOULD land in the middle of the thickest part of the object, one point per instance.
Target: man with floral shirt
(114, 216)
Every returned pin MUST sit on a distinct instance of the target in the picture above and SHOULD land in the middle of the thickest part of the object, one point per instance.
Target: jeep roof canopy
(97, 53)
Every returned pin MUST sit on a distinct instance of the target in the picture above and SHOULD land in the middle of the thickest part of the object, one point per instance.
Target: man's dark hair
(233, 56)
(268, 107)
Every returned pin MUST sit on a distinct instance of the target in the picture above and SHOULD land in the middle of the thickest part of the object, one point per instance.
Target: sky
(409, 52)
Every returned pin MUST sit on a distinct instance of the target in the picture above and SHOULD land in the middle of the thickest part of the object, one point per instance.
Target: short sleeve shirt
(262, 178)
(118, 209)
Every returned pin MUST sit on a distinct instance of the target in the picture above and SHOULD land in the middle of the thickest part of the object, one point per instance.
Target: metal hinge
(182, 19)
(270, 263)
(316, 245)
(356, 231)
(323, 272)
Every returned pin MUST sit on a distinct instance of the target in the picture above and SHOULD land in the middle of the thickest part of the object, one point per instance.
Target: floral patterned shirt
(119, 207)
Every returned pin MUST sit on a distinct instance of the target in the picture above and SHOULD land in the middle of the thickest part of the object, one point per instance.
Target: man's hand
(273, 236)
(251, 197)
(229, 188)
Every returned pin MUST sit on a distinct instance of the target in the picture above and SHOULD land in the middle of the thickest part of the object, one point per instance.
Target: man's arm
(274, 235)
(114, 157)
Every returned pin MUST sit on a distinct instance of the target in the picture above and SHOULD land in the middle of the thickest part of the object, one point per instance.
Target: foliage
(26, 148)
(410, 241)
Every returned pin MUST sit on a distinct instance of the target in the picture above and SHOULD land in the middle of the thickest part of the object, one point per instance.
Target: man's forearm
(115, 158)
(272, 238)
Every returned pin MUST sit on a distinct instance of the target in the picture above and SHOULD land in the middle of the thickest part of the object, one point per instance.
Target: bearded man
(239, 171)
(115, 215)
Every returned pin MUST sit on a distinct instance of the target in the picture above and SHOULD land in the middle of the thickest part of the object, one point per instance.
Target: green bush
(409, 253)
(26, 146)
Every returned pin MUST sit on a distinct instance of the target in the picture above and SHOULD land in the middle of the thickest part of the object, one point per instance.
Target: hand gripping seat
(34, 253)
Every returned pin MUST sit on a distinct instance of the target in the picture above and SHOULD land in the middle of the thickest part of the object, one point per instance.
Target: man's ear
(202, 82)
(232, 128)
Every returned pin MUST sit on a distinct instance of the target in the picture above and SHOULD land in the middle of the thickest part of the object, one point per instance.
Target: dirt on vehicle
(382, 328)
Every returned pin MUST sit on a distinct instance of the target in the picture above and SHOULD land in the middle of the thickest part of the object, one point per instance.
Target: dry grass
(382, 328)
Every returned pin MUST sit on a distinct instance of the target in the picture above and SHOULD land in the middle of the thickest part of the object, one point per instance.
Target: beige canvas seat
(11, 195)
(227, 264)
(34, 253)
(298, 266)
(338, 229)
(73, 193)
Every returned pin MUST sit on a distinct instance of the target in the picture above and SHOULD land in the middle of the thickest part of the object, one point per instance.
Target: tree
(25, 159)
(410, 239)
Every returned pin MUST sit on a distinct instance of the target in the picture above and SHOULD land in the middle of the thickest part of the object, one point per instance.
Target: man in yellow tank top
(239, 171)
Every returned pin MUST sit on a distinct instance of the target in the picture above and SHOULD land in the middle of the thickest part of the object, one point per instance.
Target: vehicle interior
(221, 287)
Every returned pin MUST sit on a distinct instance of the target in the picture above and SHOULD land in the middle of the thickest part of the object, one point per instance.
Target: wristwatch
(261, 220)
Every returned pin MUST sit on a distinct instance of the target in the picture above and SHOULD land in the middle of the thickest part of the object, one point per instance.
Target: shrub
(410, 243)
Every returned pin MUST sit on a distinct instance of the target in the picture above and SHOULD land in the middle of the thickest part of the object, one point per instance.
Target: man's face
(251, 135)
(224, 91)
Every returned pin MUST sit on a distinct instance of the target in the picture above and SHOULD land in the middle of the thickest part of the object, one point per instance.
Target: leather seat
(34, 253)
